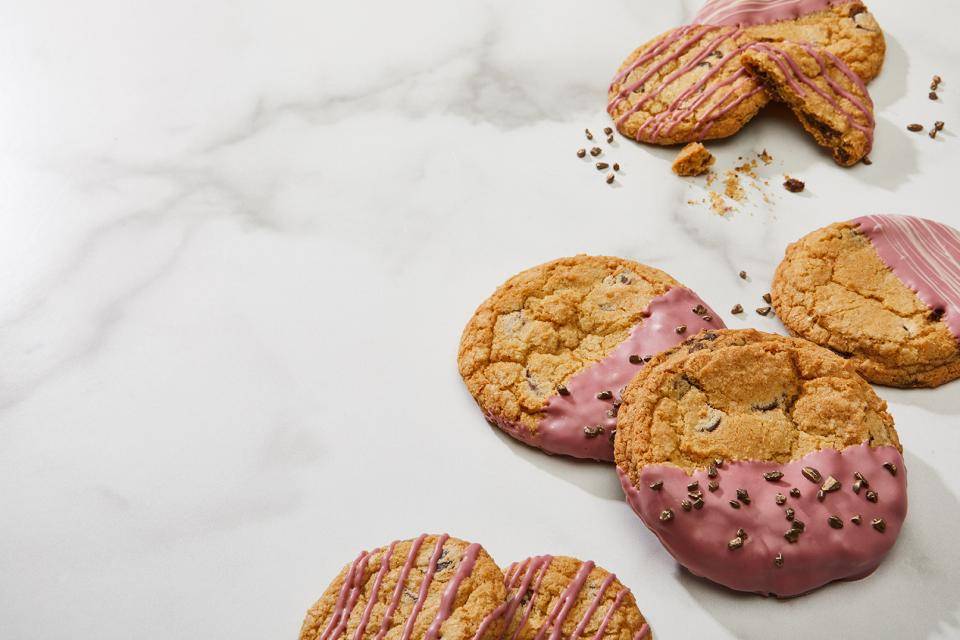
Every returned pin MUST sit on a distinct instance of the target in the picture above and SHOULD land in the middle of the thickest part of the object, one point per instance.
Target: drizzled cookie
(761, 462)
(690, 83)
(547, 355)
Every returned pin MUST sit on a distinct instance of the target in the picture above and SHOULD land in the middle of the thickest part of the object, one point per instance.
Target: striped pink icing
(356, 579)
(703, 44)
(924, 255)
(523, 581)
(561, 428)
(699, 538)
(798, 80)
(753, 12)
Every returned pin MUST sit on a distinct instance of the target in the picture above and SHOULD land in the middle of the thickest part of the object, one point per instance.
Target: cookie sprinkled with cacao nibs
(781, 499)
(857, 519)
(793, 185)
(795, 492)
(735, 544)
(581, 153)
(601, 166)
(778, 560)
(656, 486)
(604, 395)
(743, 275)
(915, 127)
(562, 390)
(772, 476)
(666, 515)
(588, 134)
(763, 311)
(879, 524)
(693, 486)
(635, 359)
(616, 166)
(872, 496)
(686, 505)
(835, 521)
(737, 308)
(892, 468)
(811, 474)
(592, 432)
(610, 178)
(681, 328)
(595, 151)
(743, 496)
(790, 513)
(713, 486)
(734, 504)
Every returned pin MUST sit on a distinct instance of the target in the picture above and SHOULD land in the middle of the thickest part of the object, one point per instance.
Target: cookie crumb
(693, 160)
(765, 157)
(793, 185)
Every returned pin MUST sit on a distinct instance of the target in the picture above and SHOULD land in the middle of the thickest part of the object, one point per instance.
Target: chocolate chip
(915, 127)
(856, 519)
(581, 153)
(857, 486)
(708, 318)
(686, 505)
(666, 515)
(681, 328)
(699, 309)
(616, 166)
(938, 125)
(743, 275)
(872, 496)
(867, 161)
(795, 492)
(562, 390)
(604, 395)
(736, 543)
(879, 524)
(790, 513)
(933, 95)
(830, 485)
(741, 534)
(713, 486)
(836, 522)
(592, 432)
(781, 499)
(860, 477)
(772, 476)
(892, 468)
(712, 471)
(778, 560)
(610, 178)
(763, 310)
(609, 139)
(734, 504)
(811, 474)
(736, 309)
(693, 486)
(792, 535)
(656, 486)
(743, 496)
(793, 185)
(718, 462)
(636, 359)
(698, 504)
(601, 166)
(595, 151)
(588, 134)
(798, 525)
(767, 298)
(607, 130)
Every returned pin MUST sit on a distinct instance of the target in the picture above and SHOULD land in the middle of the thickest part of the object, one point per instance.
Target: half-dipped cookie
(881, 291)
(547, 355)
(427, 588)
(762, 462)
(562, 597)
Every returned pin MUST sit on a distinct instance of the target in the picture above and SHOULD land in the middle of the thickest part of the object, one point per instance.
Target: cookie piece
(693, 160)
(762, 462)
(689, 84)
(883, 292)
(561, 597)
(428, 587)
(547, 355)
(828, 98)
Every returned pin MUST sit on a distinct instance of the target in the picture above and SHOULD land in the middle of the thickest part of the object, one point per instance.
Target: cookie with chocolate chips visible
(546, 356)
(564, 597)
(761, 461)
(689, 84)
(882, 291)
(828, 98)
(426, 588)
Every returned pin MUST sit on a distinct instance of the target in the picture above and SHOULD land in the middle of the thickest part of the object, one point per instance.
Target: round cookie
(881, 291)
(689, 84)
(428, 587)
(762, 462)
(547, 355)
(562, 597)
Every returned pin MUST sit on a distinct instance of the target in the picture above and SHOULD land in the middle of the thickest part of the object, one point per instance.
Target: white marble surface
(240, 240)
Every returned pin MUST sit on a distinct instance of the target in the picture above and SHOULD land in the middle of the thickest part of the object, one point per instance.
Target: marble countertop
(240, 241)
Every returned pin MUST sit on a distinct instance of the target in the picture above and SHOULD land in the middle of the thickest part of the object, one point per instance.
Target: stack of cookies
(762, 462)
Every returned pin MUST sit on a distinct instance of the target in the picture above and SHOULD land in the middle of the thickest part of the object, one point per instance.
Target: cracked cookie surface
(689, 83)
(427, 587)
(745, 395)
(832, 288)
(598, 605)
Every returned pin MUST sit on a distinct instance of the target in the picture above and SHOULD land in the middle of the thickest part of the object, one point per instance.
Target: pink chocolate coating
(699, 539)
(924, 255)
(561, 429)
(742, 13)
